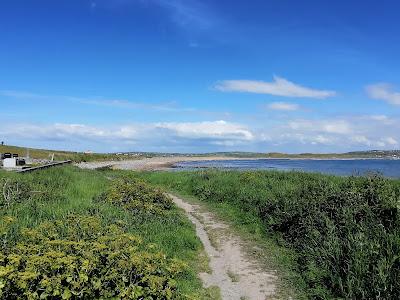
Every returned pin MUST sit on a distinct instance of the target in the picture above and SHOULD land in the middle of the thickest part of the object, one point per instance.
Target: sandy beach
(149, 164)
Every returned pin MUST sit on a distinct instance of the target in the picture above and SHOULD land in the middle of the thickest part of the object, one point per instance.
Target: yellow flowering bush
(78, 257)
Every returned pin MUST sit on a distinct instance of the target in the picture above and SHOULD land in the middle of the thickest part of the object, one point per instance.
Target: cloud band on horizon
(214, 135)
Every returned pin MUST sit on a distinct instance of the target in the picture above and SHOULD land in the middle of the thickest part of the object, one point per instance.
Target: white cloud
(339, 127)
(58, 131)
(390, 141)
(215, 130)
(321, 139)
(285, 106)
(362, 140)
(383, 142)
(347, 132)
(279, 87)
(324, 126)
(383, 91)
(379, 118)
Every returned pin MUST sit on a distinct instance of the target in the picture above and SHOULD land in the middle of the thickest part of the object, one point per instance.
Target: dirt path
(234, 271)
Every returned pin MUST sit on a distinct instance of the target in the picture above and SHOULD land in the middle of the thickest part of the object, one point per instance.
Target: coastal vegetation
(343, 233)
(70, 233)
(59, 155)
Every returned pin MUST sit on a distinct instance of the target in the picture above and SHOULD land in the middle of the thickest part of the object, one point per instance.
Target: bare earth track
(237, 275)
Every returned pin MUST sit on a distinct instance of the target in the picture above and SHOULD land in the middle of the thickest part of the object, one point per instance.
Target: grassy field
(69, 233)
(62, 155)
(342, 233)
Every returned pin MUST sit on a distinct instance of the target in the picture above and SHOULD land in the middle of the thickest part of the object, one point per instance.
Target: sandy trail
(237, 275)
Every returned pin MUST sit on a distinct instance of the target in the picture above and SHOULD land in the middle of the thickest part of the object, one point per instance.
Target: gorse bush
(136, 195)
(345, 231)
(79, 257)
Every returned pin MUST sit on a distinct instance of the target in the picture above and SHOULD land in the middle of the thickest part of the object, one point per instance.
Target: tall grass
(344, 230)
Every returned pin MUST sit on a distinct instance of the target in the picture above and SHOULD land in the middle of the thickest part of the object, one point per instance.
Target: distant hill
(354, 154)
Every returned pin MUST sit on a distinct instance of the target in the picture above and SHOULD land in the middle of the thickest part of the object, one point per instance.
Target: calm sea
(387, 167)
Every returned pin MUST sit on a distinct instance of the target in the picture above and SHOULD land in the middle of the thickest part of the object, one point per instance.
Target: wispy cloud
(284, 106)
(125, 104)
(188, 12)
(21, 94)
(383, 91)
(278, 87)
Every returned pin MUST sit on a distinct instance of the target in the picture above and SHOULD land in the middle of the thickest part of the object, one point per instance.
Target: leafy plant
(80, 258)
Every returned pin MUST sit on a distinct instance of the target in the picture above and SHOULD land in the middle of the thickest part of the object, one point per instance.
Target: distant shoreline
(151, 164)
(165, 163)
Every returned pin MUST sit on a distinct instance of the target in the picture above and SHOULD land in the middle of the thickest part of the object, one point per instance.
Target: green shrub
(79, 257)
(136, 195)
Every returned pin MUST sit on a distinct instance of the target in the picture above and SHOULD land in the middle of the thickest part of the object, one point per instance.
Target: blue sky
(198, 76)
